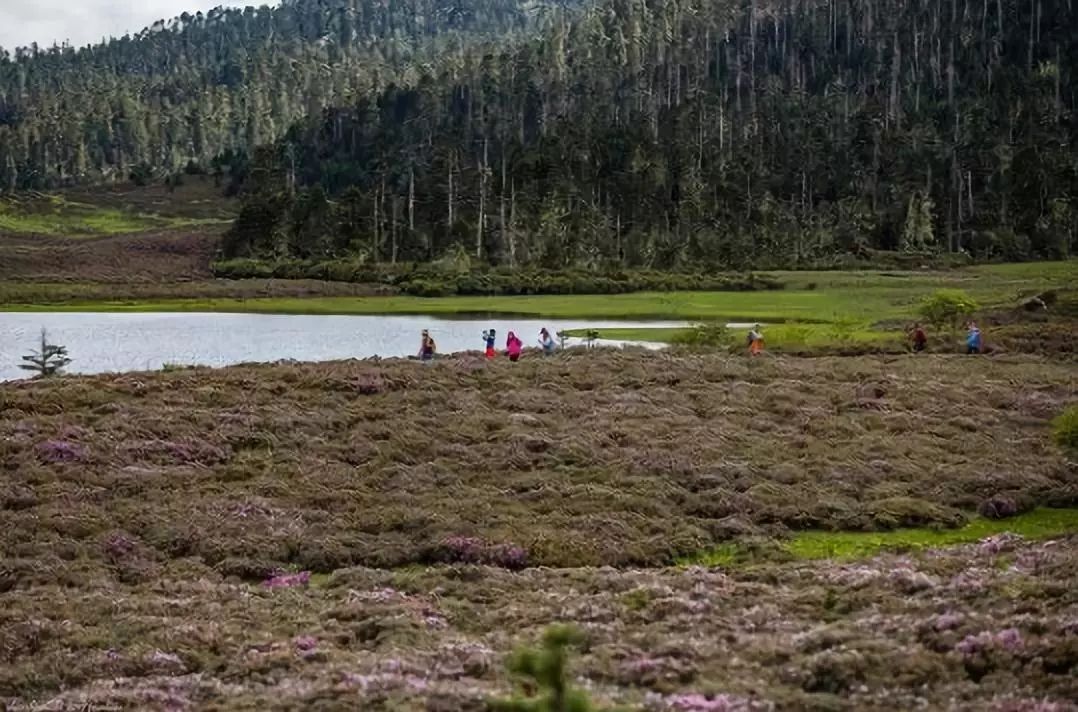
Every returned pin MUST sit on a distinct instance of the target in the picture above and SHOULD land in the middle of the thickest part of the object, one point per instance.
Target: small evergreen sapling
(49, 361)
(544, 676)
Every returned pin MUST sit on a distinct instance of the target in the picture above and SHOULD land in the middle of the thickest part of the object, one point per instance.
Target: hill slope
(683, 132)
(202, 85)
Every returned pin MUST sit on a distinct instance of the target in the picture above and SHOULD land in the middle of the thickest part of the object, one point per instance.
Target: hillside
(202, 85)
(684, 133)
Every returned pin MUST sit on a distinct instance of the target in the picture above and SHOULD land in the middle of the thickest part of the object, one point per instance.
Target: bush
(947, 307)
(545, 676)
(437, 280)
(1065, 429)
(703, 335)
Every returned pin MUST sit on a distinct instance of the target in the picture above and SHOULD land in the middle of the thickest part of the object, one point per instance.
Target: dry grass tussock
(247, 537)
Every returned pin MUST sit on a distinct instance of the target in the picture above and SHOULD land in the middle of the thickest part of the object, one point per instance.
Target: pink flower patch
(288, 580)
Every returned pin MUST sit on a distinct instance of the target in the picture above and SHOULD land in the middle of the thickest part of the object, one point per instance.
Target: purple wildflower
(305, 643)
(463, 549)
(471, 550)
(1009, 640)
(508, 556)
(119, 546)
(947, 621)
(54, 451)
(695, 702)
(286, 580)
(164, 659)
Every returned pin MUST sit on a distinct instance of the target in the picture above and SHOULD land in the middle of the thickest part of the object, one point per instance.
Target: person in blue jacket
(488, 339)
(974, 343)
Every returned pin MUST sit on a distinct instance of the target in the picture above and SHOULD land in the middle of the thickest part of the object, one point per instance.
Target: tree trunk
(501, 216)
(482, 202)
(378, 222)
(452, 219)
(512, 222)
(896, 68)
(393, 229)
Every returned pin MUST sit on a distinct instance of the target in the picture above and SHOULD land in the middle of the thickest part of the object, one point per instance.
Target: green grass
(847, 546)
(53, 215)
(857, 300)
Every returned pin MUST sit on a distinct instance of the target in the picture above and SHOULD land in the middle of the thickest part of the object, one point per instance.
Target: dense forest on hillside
(667, 133)
(205, 84)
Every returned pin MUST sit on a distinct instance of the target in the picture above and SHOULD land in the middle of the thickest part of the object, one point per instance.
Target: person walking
(546, 342)
(513, 347)
(427, 347)
(756, 341)
(974, 341)
(918, 338)
(489, 338)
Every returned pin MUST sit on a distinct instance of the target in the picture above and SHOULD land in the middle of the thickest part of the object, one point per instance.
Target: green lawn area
(54, 215)
(848, 546)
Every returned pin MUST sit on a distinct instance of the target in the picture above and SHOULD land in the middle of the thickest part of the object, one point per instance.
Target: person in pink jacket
(513, 346)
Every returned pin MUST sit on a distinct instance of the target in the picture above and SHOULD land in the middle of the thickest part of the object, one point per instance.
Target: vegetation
(443, 279)
(867, 297)
(548, 687)
(334, 535)
(49, 360)
(197, 94)
(947, 308)
(688, 133)
(56, 216)
(1065, 428)
(667, 455)
(1037, 525)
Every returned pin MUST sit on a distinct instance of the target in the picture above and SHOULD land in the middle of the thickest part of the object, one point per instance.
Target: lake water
(103, 343)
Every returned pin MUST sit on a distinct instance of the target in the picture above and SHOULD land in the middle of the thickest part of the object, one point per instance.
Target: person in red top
(513, 347)
(917, 336)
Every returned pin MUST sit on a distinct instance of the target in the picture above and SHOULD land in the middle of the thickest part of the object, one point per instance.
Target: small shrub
(703, 335)
(1065, 429)
(947, 307)
(998, 508)
(545, 676)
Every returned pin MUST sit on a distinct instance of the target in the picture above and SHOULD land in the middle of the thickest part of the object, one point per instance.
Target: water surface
(117, 342)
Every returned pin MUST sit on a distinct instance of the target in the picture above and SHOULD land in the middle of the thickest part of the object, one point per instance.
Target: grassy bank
(825, 297)
(145, 514)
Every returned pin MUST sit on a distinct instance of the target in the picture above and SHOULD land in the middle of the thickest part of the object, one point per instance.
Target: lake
(117, 342)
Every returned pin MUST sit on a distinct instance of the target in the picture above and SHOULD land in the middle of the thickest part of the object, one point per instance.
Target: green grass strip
(847, 546)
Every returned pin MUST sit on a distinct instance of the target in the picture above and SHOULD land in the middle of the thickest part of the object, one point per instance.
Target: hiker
(427, 347)
(756, 340)
(513, 346)
(973, 339)
(546, 342)
(488, 339)
(917, 336)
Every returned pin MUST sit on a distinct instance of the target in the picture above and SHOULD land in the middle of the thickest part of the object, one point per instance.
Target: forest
(204, 85)
(655, 134)
(670, 133)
